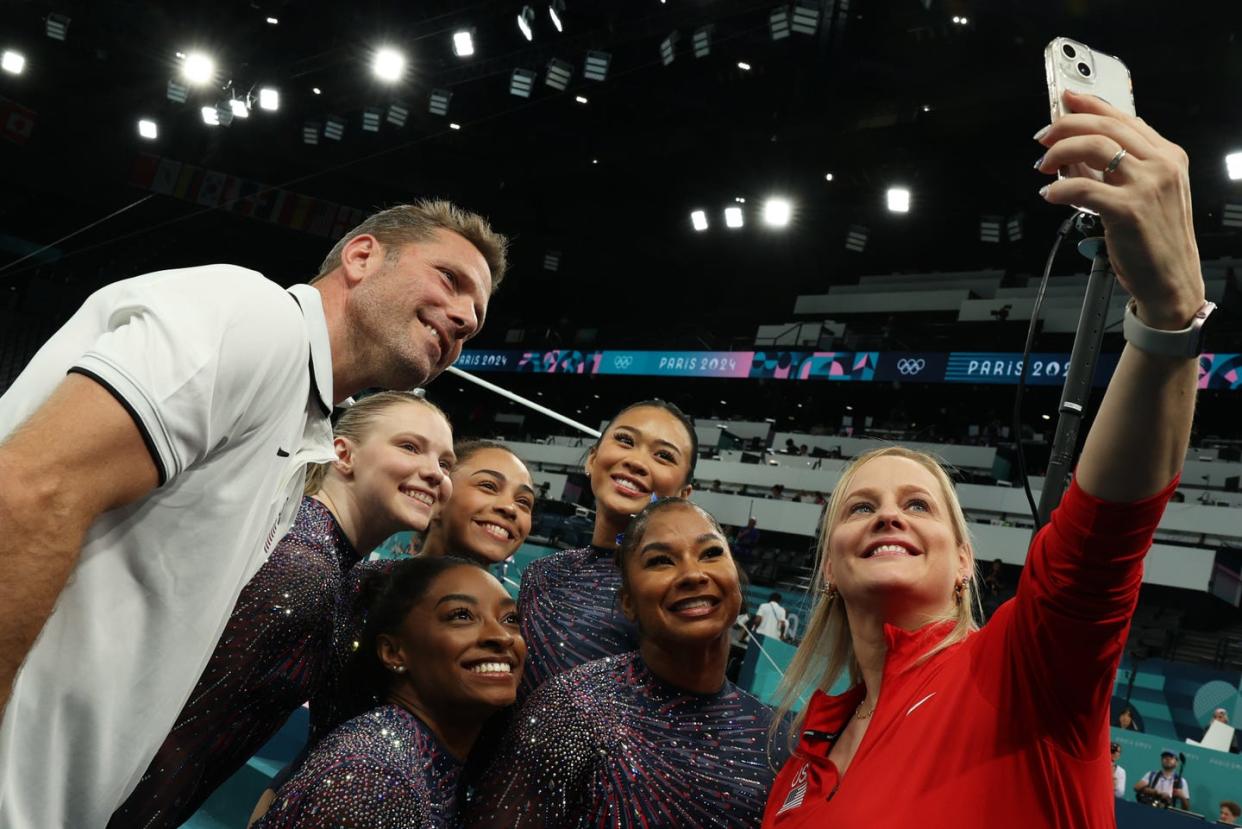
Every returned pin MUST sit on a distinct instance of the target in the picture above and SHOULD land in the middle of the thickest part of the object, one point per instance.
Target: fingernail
(1043, 191)
(1040, 161)
(1042, 132)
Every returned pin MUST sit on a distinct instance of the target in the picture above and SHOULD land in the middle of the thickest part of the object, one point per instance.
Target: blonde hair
(407, 224)
(827, 648)
(356, 423)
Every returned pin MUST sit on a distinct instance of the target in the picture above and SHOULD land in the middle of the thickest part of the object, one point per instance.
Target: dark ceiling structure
(882, 93)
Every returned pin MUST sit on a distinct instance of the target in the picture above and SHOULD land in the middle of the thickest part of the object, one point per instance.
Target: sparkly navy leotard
(269, 660)
(381, 770)
(608, 744)
(568, 607)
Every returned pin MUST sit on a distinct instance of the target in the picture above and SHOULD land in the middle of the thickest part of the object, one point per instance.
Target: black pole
(1078, 377)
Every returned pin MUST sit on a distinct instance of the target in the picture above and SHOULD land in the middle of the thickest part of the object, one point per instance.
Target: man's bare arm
(79, 455)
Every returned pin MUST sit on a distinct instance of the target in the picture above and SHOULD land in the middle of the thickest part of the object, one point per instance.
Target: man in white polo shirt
(153, 454)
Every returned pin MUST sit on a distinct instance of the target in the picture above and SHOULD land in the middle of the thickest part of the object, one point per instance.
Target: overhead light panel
(198, 69)
(778, 23)
(668, 48)
(990, 229)
(310, 132)
(776, 212)
(57, 26)
(224, 114)
(1233, 166)
(238, 108)
(463, 43)
(271, 21)
(581, 99)
(805, 18)
(702, 41)
(1014, 227)
(454, 126)
(178, 92)
(743, 65)
(211, 116)
(733, 217)
(556, 11)
(388, 65)
(439, 101)
(559, 73)
(269, 99)
(855, 240)
(595, 67)
(898, 200)
(148, 129)
(334, 128)
(397, 113)
(526, 22)
(1232, 217)
(371, 117)
(698, 219)
(552, 260)
(521, 82)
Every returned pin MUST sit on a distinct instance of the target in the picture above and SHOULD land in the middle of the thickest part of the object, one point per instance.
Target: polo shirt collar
(320, 349)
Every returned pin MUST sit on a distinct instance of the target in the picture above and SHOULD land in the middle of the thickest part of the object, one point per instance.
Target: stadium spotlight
(238, 108)
(1233, 166)
(371, 117)
(521, 82)
(526, 21)
(1232, 217)
(856, 241)
(56, 26)
(463, 43)
(805, 18)
(582, 99)
(556, 10)
(454, 126)
(898, 200)
(178, 92)
(827, 176)
(743, 65)
(990, 229)
(776, 212)
(595, 67)
(198, 69)
(211, 116)
(552, 260)
(698, 218)
(148, 129)
(388, 64)
(559, 73)
(733, 217)
(269, 99)
(439, 102)
(1014, 227)
(310, 132)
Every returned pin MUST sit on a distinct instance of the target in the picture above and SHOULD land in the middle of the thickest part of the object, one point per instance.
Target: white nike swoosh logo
(920, 702)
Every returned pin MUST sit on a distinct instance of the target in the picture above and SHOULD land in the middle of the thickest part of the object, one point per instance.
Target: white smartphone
(1075, 66)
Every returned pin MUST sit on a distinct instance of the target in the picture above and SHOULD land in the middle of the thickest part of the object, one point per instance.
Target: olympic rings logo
(911, 366)
(622, 362)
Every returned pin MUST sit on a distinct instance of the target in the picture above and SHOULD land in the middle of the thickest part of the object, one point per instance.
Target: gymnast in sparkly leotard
(393, 453)
(442, 641)
(652, 738)
(568, 599)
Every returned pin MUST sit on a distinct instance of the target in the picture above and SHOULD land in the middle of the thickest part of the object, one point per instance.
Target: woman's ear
(627, 605)
(389, 652)
(590, 460)
(344, 449)
(686, 490)
(965, 561)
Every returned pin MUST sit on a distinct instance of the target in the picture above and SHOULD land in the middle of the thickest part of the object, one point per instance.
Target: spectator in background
(790, 447)
(770, 618)
(1119, 774)
(1229, 812)
(715, 487)
(1220, 715)
(777, 493)
(746, 541)
(1165, 784)
(1127, 721)
(797, 499)
(738, 641)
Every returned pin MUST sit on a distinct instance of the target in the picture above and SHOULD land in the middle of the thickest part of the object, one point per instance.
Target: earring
(829, 590)
(399, 669)
(959, 589)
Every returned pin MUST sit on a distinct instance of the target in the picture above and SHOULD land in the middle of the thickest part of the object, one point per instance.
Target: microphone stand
(1081, 372)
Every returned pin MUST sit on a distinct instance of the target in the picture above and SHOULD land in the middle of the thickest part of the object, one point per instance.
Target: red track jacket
(1009, 727)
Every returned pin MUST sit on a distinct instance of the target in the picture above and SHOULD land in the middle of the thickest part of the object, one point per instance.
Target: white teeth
(693, 603)
(420, 496)
(495, 530)
(890, 548)
(629, 485)
(492, 668)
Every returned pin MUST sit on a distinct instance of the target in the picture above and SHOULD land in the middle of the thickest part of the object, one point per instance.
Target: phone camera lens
(1069, 51)
(1084, 70)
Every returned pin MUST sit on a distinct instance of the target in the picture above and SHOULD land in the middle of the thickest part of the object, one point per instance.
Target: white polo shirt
(770, 615)
(229, 378)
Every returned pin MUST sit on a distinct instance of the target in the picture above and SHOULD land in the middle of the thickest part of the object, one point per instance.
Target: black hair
(637, 529)
(686, 421)
(384, 599)
(775, 597)
(468, 448)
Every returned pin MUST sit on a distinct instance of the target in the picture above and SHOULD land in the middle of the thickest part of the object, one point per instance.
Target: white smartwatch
(1188, 342)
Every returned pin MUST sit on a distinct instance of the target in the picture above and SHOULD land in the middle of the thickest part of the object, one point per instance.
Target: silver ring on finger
(1115, 162)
